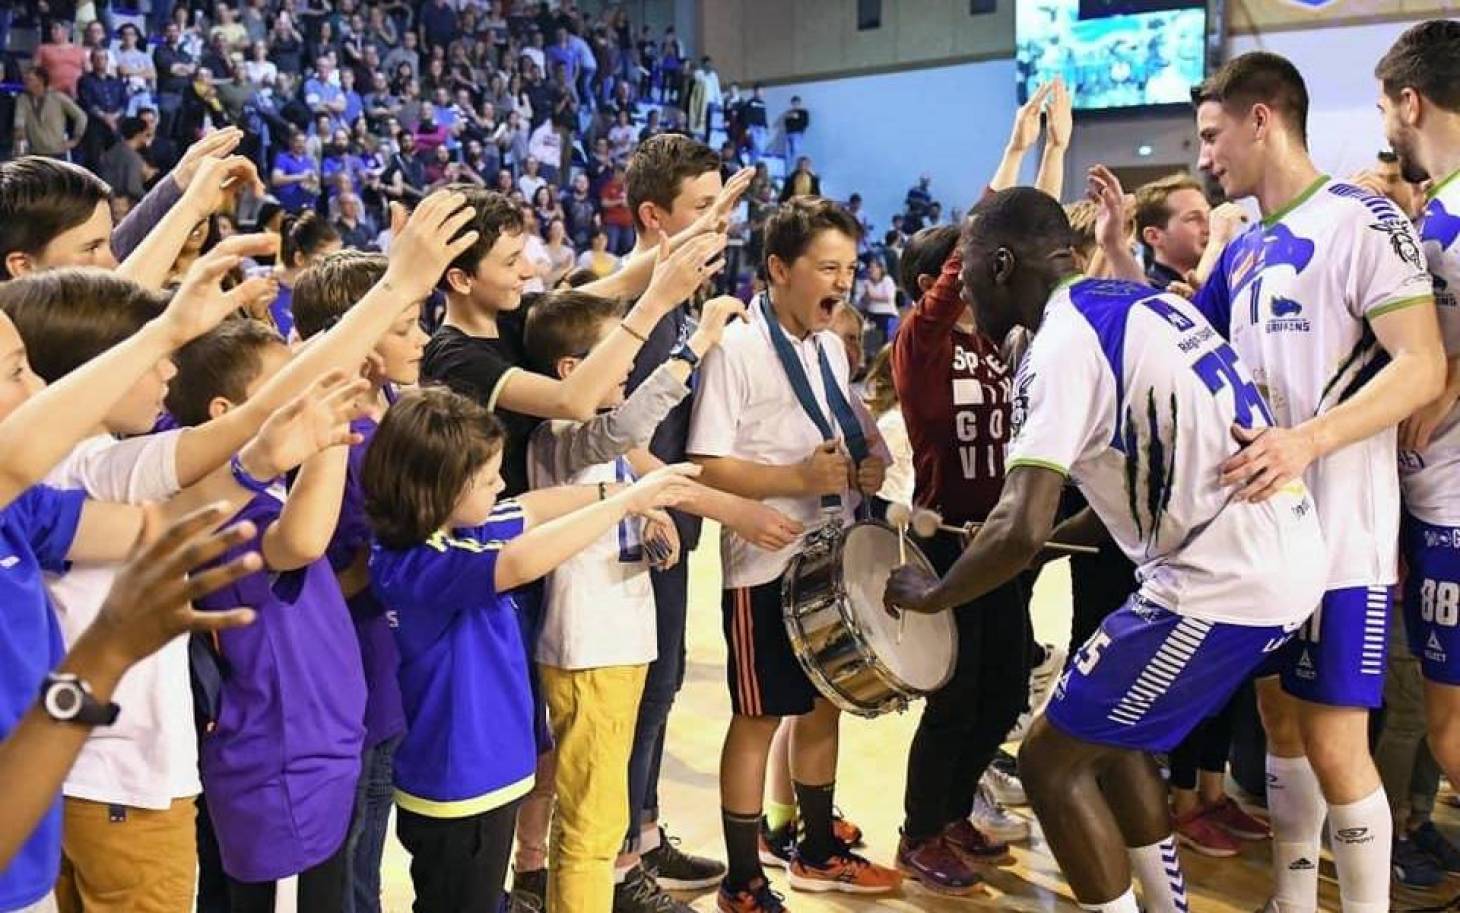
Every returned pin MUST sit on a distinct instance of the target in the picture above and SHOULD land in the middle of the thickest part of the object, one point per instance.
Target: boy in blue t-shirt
(446, 556)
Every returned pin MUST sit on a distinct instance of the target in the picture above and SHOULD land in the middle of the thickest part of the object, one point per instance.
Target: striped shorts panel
(762, 671)
(1148, 676)
(1339, 656)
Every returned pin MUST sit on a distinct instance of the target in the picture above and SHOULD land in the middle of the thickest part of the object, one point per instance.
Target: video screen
(1112, 53)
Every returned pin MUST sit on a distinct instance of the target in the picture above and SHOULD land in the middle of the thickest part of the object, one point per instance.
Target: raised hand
(1026, 120)
(200, 303)
(1059, 123)
(315, 420)
(216, 145)
(431, 238)
(679, 275)
(216, 183)
(1226, 222)
(716, 314)
(1110, 220)
(150, 602)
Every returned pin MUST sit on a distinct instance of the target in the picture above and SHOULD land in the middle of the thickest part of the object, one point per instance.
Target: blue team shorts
(1149, 675)
(1338, 656)
(1432, 598)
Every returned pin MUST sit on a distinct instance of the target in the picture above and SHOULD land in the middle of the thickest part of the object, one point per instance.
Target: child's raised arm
(45, 427)
(307, 523)
(561, 522)
(422, 248)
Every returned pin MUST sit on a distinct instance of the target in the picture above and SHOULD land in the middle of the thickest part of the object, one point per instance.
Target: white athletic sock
(1296, 806)
(1163, 887)
(1361, 835)
(648, 840)
(1125, 903)
(621, 872)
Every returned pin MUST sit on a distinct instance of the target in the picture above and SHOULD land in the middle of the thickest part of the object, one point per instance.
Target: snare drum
(859, 656)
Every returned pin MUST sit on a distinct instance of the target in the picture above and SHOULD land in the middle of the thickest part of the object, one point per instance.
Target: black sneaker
(1442, 851)
(779, 846)
(529, 892)
(640, 893)
(676, 870)
(1413, 867)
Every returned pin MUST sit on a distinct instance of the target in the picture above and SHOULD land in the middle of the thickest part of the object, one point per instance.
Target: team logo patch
(1287, 317)
(1301, 864)
(1354, 835)
(1401, 239)
(1305, 668)
(1434, 650)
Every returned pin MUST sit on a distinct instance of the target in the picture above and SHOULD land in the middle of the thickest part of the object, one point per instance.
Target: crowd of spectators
(347, 106)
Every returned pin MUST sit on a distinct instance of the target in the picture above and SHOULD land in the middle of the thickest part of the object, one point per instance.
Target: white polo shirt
(149, 757)
(745, 408)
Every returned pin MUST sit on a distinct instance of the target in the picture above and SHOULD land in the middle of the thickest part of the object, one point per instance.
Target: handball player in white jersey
(1130, 393)
(1329, 304)
(1419, 95)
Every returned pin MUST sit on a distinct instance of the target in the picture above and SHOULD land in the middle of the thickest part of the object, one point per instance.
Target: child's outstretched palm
(315, 420)
(200, 303)
(667, 486)
(426, 242)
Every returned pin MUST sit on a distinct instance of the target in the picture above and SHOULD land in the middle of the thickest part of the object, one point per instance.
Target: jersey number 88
(1439, 602)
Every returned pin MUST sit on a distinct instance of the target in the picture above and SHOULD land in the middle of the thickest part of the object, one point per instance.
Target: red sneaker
(1229, 816)
(936, 865)
(1196, 830)
(976, 846)
(846, 872)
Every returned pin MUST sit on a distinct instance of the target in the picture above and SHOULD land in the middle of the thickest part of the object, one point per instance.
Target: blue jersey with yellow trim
(469, 745)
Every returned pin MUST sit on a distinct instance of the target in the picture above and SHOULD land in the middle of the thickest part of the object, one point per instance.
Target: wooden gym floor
(869, 790)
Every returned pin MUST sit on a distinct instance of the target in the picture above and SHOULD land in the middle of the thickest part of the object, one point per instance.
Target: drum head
(923, 658)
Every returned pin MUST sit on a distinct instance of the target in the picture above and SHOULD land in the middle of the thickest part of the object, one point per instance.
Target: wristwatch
(67, 698)
(684, 353)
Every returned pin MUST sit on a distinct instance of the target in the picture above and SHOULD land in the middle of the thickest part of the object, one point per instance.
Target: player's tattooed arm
(1009, 539)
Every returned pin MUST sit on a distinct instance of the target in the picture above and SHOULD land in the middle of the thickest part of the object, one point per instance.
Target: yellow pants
(593, 714)
(144, 862)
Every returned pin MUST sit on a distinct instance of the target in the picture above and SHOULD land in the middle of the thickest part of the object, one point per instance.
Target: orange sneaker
(844, 830)
(846, 872)
(757, 897)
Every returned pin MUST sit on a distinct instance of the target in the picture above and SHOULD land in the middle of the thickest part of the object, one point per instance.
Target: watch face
(66, 700)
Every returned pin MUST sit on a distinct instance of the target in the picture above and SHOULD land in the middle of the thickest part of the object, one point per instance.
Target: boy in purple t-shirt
(281, 760)
(323, 294)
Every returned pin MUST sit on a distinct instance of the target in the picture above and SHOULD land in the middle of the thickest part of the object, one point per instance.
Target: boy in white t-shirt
(599, 632)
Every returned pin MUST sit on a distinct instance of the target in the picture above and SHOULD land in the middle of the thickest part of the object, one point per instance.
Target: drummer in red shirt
(955, 395)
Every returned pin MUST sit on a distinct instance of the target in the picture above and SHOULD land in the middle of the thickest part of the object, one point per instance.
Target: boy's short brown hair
(67, 317)
(495, 215)
(328, 289)
(42, 198)
(564, 324)
(791, 228)
(659, 165)
(221, 362)
(428, 447)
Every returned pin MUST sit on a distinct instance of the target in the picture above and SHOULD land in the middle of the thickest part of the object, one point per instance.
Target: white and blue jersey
(1431, 478)
(1297, 295)
(1132, 394)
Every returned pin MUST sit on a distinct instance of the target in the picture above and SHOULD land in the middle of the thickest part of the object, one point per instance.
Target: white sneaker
(1041, 684)
(1003, 787)
(990, 816)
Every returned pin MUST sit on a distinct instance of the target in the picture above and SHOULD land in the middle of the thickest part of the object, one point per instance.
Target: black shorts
(764, 675)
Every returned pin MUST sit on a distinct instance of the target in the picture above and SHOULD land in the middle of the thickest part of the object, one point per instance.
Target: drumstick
(927, 522)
